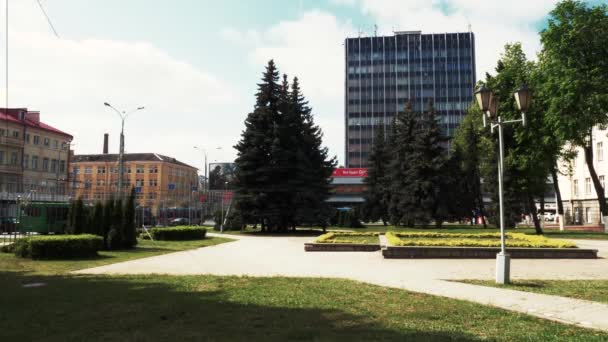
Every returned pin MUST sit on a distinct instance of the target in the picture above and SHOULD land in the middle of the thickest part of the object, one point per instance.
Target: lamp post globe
(483, 95)
(523, 98)
(493, 107)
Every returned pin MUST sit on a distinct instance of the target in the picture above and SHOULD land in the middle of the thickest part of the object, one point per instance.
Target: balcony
(11, 141)
(10, 168)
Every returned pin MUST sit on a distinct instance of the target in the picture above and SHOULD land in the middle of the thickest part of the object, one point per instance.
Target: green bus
(44, 217)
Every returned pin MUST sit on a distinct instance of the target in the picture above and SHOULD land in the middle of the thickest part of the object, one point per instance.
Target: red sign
(350, 172)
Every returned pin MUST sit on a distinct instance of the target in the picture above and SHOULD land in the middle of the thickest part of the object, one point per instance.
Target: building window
(54, 165)
(14, 159)
(153, 169)
(153, 182)
(88, 170)
(100, 182)
(26, 161)
(139, 182)
(129, 169)
(47, 141)
(76, 170)
(36, 140)
(599, 149)
(16, 134)
(34, 162)
(45, 164)
(151, 195)
(139, 169)
(62, 166)
(87, 184)
(575, 187)
(55, 144)
(114, 170)
(588, 186)
(602, 182)
(101, 170)
(27, 138)
(1, 157)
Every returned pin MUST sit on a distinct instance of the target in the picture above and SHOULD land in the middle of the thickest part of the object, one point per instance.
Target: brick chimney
(105, 143)
(32, 116)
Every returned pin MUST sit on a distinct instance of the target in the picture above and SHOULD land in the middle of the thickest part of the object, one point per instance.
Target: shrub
(179, 233)
(347, 237)
(474, 240)
(58, 246)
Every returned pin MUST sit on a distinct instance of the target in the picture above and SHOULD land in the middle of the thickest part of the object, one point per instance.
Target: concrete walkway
(285, 256)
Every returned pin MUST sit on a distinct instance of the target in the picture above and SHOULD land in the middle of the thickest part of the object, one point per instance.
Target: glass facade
(383, 73)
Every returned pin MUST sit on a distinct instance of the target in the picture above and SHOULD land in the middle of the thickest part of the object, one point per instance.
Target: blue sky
(195, 64)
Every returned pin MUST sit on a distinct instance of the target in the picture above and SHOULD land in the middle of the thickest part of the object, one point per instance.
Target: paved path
(285, 256)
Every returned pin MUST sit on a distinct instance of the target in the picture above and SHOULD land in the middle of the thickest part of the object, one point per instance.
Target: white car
(549, 216)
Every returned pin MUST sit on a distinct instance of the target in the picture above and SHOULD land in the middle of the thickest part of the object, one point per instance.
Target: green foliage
(346, 219)
(115, 234)
(96, 222)
(282, 169)
(58, 246)
(129, 231)
(474, 240)
(80, 217)
(178, 233)
(108, 215)
(377, 181)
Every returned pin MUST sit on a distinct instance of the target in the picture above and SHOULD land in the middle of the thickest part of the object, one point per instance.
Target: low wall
(487, 253)
(340, 247)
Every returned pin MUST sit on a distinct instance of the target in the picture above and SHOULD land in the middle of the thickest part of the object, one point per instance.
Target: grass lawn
(145, 248)
(194, 308)
(594, 290)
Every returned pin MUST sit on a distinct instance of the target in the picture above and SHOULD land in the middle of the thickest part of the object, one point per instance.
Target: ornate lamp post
(488, 103)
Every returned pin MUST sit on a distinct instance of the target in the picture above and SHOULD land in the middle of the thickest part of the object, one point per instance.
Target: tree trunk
(542, 211)
(558, 198)
(534, 215)
(599, 190)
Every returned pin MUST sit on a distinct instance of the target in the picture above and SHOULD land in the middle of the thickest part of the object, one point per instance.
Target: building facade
(383, 73)
(160, 181)
(34, 156)
(578, 193)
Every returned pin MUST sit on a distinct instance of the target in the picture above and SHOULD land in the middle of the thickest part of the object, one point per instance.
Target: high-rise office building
(383, 73)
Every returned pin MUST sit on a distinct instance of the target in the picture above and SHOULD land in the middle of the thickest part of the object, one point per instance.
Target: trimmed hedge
(179, 233)
(474, 240)
(58, 246)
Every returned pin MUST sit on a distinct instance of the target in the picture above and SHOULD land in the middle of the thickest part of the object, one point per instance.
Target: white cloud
(310, 48)
(69, 80)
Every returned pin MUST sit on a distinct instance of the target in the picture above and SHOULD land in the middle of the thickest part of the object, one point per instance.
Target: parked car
(180, 221)
(8, 224)
(549, 216)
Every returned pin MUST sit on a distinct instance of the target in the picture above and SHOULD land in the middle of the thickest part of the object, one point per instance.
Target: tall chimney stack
(105, 143)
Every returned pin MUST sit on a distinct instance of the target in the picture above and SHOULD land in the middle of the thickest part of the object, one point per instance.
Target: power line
(48, 19)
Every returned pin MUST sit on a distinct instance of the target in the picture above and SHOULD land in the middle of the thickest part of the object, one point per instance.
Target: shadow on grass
(70, 308)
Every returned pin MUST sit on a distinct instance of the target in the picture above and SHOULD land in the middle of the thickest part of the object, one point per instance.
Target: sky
(195, 64)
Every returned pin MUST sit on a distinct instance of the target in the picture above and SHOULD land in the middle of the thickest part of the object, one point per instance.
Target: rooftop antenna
(48, 19)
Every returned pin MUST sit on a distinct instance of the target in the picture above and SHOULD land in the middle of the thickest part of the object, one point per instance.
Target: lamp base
(503, 268)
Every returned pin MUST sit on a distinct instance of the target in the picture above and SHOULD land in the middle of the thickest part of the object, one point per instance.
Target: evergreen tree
(375, 207)
(79, 217)
(72, 216)
(401, 202)
(129, 232)
(96, 225)
(254, 160)
(115, 235)
(423, 175)
(108, 216)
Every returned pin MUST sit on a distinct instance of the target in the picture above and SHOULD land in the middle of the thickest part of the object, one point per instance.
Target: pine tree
(129, 235)
(375, 207)
(96, 225)
(79, 217)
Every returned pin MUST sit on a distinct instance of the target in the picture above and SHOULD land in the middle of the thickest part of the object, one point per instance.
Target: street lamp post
(488, 103)
(123, 116)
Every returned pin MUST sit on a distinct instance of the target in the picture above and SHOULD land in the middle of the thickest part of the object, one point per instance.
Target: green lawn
(594, 290)
(351, 238)
(145, 248)
(194, 308)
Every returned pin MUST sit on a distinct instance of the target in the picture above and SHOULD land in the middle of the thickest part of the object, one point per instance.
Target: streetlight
(488, 103)
(204, 151)
(123, 116)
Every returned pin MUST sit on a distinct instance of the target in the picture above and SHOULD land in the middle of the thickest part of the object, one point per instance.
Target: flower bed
(517, 240)
(344, 242)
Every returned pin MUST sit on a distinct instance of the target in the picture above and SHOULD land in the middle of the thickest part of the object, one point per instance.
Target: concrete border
(340, 247)
(407, 252)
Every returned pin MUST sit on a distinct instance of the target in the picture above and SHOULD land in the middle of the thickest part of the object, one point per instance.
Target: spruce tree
(108, 216)
(402, 202)
(254, 170)
(96, 225)
(115, 235)
(79, 217)
(375, 207)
